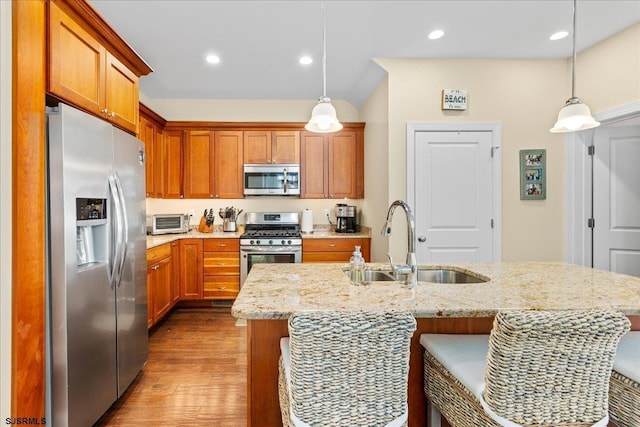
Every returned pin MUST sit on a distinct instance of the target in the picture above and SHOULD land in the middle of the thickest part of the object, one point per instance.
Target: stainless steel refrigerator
(97, 295)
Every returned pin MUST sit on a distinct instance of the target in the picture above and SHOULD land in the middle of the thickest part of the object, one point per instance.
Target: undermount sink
(447, 276)
(375, 276)
(424, 275)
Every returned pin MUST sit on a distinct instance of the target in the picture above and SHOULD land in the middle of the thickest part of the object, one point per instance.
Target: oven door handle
(278, 249)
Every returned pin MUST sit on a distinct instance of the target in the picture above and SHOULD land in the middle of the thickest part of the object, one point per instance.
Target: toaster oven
(167, 223)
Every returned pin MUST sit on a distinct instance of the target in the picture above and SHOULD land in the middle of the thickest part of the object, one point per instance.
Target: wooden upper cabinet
(199, 164)
(257, 147)
(147, 134)
(314, 154)
(173, 144)
(76, 62)
(285, 147)
(121, 100)
(83, 71)
(332, 165)
(264, 147)
(227, 181)
(342, 165)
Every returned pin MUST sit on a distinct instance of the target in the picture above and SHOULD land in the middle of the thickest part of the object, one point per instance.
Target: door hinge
(591, 223)
(491, 222)
(591, 150)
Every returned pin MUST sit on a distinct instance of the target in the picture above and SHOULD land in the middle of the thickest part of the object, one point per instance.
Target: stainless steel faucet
(411, 267)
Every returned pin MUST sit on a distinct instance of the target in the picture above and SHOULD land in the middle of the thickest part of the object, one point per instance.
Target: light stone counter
(319, 232)
(161, 239)
(274, 292)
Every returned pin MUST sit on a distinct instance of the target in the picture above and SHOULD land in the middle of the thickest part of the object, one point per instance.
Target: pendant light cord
(573, 67)
(324, 55)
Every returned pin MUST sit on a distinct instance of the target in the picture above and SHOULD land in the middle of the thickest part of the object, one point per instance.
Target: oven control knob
(289, 242)
(257, 242)
(271, 242)
(284, 242)
(251, 242)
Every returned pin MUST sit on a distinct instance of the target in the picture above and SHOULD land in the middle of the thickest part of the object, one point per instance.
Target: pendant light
(575, 115)
(323, 116)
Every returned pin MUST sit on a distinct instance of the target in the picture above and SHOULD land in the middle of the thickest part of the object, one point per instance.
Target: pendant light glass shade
(575, 115)
(323, 116)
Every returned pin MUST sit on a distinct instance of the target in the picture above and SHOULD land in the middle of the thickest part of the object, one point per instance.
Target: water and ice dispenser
(91, 231)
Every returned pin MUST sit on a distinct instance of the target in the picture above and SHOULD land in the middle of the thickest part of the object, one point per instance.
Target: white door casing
(616, 199)
(578, 175)
(453, 185)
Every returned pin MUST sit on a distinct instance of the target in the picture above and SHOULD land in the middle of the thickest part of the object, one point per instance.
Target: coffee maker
(346, 218)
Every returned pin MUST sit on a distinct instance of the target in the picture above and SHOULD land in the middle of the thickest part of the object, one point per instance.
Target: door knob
(422, 239)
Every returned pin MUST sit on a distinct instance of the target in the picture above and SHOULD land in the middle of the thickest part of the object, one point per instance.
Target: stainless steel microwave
(167, 223)
(272, 180)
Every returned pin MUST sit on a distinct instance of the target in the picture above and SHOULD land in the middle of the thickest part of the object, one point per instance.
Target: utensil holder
(228, 225)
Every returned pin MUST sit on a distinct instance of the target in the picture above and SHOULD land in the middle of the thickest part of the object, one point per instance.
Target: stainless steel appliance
(167, 223)
(272, 180)
(96, 287)
(346, 219)
(269, 237)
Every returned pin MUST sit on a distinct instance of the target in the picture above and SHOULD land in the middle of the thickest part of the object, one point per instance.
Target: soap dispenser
(356, 267)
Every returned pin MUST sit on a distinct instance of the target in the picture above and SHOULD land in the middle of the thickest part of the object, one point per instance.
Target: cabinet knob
(221, 288)
(112, 114)
(222, 245)
(104, 111)
(217, 196)
(155, 267)
(332, 245)
(422, 239)
(182, 196)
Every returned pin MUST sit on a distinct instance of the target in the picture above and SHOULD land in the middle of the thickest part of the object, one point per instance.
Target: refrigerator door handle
(116, 235)
(124, 228)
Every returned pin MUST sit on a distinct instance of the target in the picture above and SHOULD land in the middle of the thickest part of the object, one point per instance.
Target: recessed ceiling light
(213, 59)
(559, 35)
(436, 34)
(306, 60)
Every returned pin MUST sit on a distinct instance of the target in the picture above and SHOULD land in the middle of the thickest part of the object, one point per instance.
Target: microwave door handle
(285, 180)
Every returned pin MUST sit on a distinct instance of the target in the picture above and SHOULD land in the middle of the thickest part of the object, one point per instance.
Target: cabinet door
(191, 269)
(285, 147)
(198, 164)
(152, 277)
(147, 135)
(162, 291)
(121, 96)
(257, 147)
(228, 165)
(175, 272)
(76, 63)
(173, 164)
(342, 165)
(313, 166)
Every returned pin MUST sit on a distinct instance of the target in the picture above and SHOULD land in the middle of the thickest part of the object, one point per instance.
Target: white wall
(375, 112)
(524, 96)
(246, 111)
(5, 209)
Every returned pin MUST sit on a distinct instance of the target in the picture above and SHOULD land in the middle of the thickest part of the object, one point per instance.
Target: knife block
(203, 228)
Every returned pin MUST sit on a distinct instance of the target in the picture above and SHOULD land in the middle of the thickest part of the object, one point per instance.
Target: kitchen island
(271, 293)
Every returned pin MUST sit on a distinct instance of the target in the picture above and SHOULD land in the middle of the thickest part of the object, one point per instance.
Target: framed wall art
(533, 171)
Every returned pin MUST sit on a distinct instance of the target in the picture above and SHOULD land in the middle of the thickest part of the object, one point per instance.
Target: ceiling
(259, 42)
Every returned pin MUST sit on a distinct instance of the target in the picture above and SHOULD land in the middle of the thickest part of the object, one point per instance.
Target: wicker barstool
(548, 368)
(624, 387)
(345, 369)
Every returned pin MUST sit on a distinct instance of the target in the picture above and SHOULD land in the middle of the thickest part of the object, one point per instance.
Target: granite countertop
(319, 232)
(273, 292)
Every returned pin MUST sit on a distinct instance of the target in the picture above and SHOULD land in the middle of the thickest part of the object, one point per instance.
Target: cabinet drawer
(156, 253)
(225, 263)
(326, 256)
(332, 245)
(222, 245)
(221, 287)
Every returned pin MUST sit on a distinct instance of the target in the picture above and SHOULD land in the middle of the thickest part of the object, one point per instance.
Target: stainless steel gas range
(270, 237)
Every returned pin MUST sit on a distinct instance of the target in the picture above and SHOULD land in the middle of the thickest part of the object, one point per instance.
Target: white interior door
(616, 199)
(454, 196)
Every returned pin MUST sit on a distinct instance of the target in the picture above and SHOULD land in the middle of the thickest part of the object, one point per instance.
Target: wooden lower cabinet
(221, 260)
(191, 269)
(159, 283)
(334, 250)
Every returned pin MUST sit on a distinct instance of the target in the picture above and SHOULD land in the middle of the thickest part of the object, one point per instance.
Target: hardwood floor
(196, 374)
